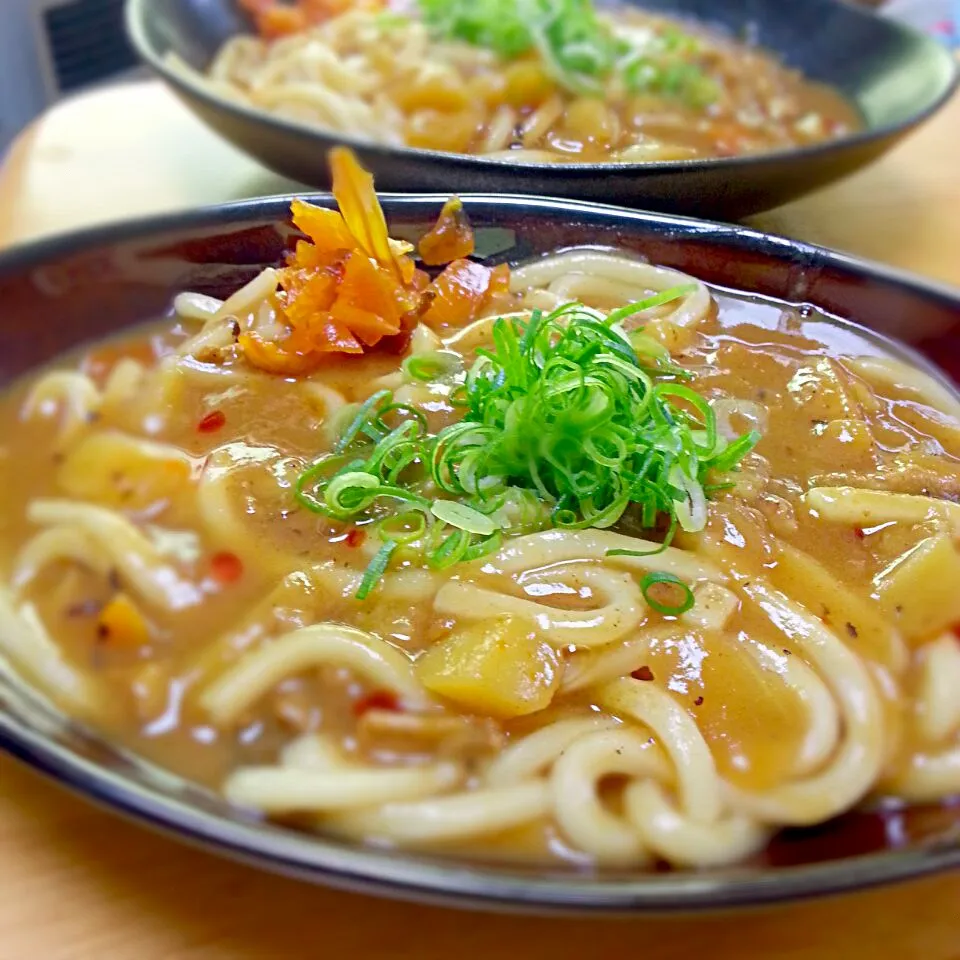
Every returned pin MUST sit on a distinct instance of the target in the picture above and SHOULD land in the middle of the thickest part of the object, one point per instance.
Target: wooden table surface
(78, 884)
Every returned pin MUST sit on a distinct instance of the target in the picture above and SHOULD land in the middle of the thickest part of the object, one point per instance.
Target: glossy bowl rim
(448, 881)
(136, 13)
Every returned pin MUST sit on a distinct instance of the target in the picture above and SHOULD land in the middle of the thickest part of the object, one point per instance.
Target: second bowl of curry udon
(645, 573)
(678, 104)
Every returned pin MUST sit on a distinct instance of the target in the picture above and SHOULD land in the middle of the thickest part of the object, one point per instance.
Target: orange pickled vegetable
(326, 228)
(280, 22)
(462, 291)
(274, 18)
(121, 623)
(450, 238)
(349, 286)
(361, 210)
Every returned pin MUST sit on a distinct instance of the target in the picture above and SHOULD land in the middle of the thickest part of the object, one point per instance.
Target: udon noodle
(442, 78)
(591, 693)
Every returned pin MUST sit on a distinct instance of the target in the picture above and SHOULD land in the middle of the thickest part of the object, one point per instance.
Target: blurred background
(50, 49)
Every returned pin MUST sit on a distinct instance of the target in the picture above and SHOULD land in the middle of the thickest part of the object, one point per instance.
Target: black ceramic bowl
(896, 77)
(88, 285)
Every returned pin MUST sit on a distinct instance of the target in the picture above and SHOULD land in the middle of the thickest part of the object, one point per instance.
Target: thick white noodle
(929, 777)
(698, 786)
(685, 842)
(71, 393)
(589, 668)
(277, 790)
(537, 752)
(456, 817)
(622, 605)
(643, 277)
(557, 546)
(260, 670)
(914, 382)
(581, 814)
(855, 765)
(937, 701)
(55, 545)
(135, 558)
(823, 716)
(869, 508)
(24, 640)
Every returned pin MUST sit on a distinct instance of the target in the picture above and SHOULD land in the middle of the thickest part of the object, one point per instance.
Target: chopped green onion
(563, 424)
(463, 517)
(579, 49)
(360, 420)
(375, 569)
(656, 300)
(452, 549)
(668, 610)
(431, 366)
(389, 20)
(405, 527)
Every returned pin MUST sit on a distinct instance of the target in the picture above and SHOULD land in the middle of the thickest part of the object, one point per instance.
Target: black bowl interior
(894, 75)
(89, 285)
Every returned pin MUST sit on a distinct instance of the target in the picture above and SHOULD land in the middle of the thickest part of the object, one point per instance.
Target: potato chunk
(499, 668)
(122, 471)
(920, 589)
(859, 623)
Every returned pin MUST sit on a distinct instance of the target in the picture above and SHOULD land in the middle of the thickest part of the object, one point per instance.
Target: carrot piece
(280, 21)
(460, 292)
(326, 228)
(450, 238)
(366, 286)
(307, 298)
(121, 623)
(279, 358)
(363, 324)
(499, 280)
(349, 285)
(336, 338)
(361, 210)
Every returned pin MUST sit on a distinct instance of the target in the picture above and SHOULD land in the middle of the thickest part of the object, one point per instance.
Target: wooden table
(78, 884)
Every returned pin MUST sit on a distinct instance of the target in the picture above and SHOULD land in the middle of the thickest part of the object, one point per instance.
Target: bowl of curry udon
(503, 551)
(683, 105)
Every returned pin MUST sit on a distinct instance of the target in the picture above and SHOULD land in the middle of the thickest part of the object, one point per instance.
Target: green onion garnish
(666, 609)
(564, 425)
(578, 48)
(431, 366)
(462, 517)
(375, 569)
(405, 527)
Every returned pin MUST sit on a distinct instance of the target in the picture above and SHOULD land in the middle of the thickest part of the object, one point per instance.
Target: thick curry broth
(782, 360)
(742, 100)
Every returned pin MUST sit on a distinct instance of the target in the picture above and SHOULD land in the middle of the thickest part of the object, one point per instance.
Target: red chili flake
(377, 700)
(642, 673)
(212, 422)
(355, 537)
(226, 567)
(858, 533)
(698, 701)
